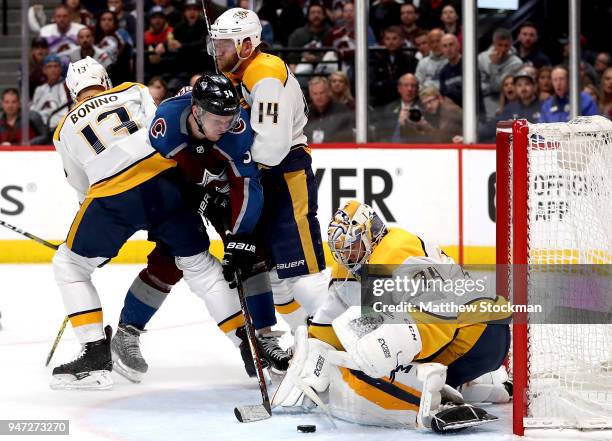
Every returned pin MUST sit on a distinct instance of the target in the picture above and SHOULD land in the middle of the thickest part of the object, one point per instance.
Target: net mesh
(570, 222)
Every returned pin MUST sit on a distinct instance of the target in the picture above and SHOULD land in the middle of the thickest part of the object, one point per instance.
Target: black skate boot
(245, 353)
(127, 358)
(90, 370)
(270, 350)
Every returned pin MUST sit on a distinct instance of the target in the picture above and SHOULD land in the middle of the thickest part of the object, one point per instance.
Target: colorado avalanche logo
(239, 127)
(158, 128)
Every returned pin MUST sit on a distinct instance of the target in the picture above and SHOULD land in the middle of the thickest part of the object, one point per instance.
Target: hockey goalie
(414, 371)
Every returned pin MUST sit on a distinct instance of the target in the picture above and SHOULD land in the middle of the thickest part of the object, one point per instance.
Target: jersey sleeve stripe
(245, 203)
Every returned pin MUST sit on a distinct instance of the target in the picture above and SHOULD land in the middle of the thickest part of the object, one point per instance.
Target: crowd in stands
(415, 68)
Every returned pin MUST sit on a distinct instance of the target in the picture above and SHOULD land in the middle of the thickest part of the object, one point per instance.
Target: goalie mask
(86, 73)
(215, 105)
(353, 233)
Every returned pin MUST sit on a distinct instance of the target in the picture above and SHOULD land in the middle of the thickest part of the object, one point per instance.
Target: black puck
(307, 428)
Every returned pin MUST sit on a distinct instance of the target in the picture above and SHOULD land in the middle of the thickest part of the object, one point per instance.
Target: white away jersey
(278, 108)
(104, 142)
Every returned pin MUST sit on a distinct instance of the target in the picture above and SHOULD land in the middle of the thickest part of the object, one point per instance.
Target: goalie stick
(54, 247)
(254, 412)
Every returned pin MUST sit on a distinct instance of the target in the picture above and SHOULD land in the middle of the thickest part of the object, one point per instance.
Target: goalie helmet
(86, 73)
(237, 24)
(353, 233)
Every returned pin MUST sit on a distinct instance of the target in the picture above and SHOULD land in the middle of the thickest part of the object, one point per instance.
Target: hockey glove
(216, 208)
(239, 256)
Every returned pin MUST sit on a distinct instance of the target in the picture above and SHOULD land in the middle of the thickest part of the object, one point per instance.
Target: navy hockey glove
(239, 256)
(216, 208)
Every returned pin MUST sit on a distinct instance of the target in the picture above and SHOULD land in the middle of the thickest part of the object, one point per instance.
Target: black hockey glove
(239, 256)
(216, 208)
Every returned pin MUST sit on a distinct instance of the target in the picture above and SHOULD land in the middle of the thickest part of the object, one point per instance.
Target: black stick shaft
(28, 235)
(253, 343)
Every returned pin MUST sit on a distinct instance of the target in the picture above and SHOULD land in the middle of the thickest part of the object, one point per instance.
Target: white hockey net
(570, 222)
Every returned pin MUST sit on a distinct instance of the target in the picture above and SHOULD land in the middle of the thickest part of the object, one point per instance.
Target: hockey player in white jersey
(289, 226)
(124, 185)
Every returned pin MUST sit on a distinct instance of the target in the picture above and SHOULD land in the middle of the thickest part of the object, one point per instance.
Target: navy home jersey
(225, 166)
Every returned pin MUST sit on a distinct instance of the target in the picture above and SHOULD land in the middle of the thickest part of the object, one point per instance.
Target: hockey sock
(260, 300)
(142, 301)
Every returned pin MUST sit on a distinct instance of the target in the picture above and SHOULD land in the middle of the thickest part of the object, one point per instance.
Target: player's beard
(226, 64)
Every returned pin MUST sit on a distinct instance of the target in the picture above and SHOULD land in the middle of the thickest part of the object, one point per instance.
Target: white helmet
(86, 73)
(237, 24)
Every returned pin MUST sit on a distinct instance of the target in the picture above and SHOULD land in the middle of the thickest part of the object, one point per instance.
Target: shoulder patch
(262, 67)
(239, 127)
(158, 128)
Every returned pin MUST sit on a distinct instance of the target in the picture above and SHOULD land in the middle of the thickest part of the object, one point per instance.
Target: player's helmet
(215, 94)
(86, 73)
(353, 233)
(237, 24)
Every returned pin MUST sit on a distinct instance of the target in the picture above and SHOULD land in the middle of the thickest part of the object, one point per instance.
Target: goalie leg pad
(491, 387)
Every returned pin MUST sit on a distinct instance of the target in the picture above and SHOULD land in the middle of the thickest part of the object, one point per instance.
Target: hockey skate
(90, 370)
(270, 350)
(127, 358)
(245, 353)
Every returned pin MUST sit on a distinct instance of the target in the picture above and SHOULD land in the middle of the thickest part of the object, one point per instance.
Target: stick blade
(252, 413)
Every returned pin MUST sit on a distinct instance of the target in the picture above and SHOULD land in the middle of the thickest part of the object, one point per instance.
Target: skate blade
(126, 372)
(96, 380)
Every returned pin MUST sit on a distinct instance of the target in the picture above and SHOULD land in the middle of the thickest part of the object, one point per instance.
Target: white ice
(195, 378)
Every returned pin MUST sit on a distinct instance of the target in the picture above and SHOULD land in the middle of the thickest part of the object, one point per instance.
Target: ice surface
(194, 382)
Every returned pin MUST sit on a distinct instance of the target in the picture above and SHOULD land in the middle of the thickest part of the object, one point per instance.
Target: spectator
(431, 11)
(396, 122)
(545, 89)
(450, 20)
(341, 89)
(172, 14)
(61, 35)
(606, 92)
(494, 64)
(409, 14)
(86, 48)
(78, 14)
(526, 46)
(51, 99)
(40, 49)
(109, 38)
(284, 16)
(594, 93)
(10, 120)
(311, 35)
(602, 62)
(388, 66)
(384, 13)
(157, 41)
(442, 119)
(342, 38)
(126, 20)
(159, 89)
(527, 104)
(328, 120)
(507, 94)
(428, 70)
(190, 42)
(421, 42)
(557, 107)
(451, 75)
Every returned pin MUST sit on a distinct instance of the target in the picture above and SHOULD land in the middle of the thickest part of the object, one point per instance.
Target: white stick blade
(249, 414)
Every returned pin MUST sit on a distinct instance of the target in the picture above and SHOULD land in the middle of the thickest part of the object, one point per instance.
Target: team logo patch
(239, 127)
(158, 128)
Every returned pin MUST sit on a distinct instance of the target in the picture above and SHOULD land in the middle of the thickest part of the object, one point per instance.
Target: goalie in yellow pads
(387, 369)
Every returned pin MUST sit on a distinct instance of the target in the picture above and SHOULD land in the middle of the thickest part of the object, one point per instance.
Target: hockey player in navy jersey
(195, 129)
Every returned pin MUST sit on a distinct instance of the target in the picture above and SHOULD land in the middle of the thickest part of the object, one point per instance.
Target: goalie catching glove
(239, 257)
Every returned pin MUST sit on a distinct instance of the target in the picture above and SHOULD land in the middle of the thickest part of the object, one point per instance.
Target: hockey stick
(254, 412)
(28, 235)
(54, 247)
(57, 340)
(212, 43)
